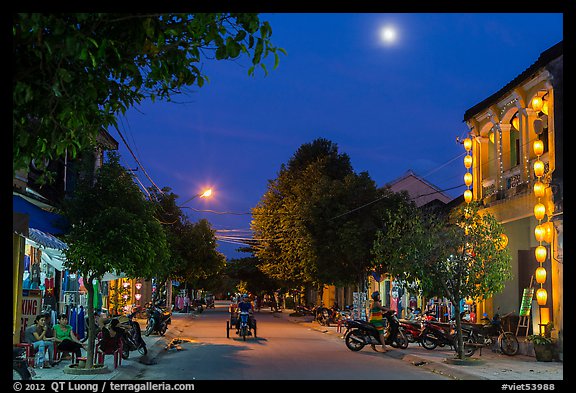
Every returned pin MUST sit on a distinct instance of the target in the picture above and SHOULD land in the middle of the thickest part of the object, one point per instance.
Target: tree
(454, 256)
(303, 237)
(74, 73)
(111, 229)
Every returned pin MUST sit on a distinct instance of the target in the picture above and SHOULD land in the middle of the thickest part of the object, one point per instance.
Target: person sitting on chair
(65, 337)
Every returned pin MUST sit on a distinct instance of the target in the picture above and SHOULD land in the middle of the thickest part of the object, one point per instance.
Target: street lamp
(204, 194)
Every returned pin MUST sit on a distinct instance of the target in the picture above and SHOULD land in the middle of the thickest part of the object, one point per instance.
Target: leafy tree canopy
(74, 73)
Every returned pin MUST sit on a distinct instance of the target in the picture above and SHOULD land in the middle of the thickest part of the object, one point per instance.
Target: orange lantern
(545, 108)
(539, 211)
(538, 147)
(503, 241)
(467, 144)
(516, 123)
(549, 232)
(540, 253)
(468, 179)
(468, 196)
(539, 189)
(540, 232)
(537, 103)
(541, 296)
(468, 161)
(540, 275)
(538, 168)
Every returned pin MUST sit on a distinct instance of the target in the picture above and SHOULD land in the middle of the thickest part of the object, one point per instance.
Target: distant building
(420, 191)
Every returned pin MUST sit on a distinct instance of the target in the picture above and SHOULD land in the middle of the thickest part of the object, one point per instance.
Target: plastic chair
(99, 355)
(59, 352)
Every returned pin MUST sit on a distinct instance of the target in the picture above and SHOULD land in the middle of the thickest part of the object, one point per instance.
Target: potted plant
(544, 344)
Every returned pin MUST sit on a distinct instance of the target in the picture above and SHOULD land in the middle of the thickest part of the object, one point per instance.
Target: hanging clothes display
(49, 298)
(72, 319)
(80, 325)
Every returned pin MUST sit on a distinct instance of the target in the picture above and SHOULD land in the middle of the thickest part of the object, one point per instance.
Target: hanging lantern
(491, 136)
(469, 301)
(549, 231)
(545, 108)
(516, 123)
(541, 296)
(540, 275)
(537, 104)
(468, 161)
(138, 296)
(503, 241)
(468, 179)
(538, 126)
(539, 189)
(538, 147)
(540, 253)
(126, 284)
(138, 285)
(467, 144)
(539, 211)
(540, 232)
(468, 196)
(538, 168)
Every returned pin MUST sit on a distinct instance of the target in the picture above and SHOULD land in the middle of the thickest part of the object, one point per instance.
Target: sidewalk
(492, 366)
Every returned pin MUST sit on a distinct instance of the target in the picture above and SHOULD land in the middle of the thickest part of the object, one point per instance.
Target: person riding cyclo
(245, 306)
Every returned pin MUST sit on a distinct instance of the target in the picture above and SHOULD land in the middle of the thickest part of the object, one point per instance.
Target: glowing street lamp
(204, 194)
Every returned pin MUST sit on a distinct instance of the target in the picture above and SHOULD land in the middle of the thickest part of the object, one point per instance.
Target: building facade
(517, 175)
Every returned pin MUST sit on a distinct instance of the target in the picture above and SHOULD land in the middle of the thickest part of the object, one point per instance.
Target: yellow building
(516, 170)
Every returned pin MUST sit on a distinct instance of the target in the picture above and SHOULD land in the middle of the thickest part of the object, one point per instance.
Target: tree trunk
(91, 323)
(460, 346)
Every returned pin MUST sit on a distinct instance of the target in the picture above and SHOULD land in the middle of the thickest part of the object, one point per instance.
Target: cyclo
(242, 320)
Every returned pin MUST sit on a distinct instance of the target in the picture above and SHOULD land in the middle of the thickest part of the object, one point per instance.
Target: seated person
(37, 336)
(65, 337)
(110, 336)
(245, 305)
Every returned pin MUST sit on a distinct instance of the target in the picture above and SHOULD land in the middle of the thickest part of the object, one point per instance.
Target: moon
(388, 34)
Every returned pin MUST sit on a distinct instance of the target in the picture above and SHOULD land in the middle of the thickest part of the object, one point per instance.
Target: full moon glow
(388, 34)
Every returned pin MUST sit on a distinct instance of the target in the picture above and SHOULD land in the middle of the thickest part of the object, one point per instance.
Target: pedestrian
(376, 318)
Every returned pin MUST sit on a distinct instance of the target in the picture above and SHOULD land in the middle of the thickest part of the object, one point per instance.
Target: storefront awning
(46, 239)
(39, 218)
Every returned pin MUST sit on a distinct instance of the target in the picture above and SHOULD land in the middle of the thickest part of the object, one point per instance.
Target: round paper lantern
(540, 253)
(539, 189)
(549, 231)
(468, 196)
(467, 144)
(468, 161)
(516, 123)
(540, 232)
(545, 108)
(539, 211)
(540, 275)
(503, 241)
(469, 301)
(468, 179)
(537, 103)
(538, 147)
(541, 296)
(538, 168)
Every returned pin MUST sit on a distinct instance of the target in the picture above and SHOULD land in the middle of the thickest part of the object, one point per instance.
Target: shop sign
(31, 306)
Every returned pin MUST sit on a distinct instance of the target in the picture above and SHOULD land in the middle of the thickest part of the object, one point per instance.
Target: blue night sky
(392, 107)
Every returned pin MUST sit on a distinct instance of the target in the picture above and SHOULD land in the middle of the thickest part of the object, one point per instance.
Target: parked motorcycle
(131, 336)
(20, 369)
(440, 334)
(360, 333)
(304, 310)
(491, 334)
(158, 320)
(412, 329)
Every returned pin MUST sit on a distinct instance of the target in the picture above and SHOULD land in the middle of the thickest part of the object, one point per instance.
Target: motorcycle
(131, 336)
(440, 334)
(490, 334)
(158, 320)
(20, 369)
(244, 327)
(360, 333)
(412, 330)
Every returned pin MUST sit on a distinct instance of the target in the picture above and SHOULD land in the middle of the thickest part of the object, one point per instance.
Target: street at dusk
(288, 196)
